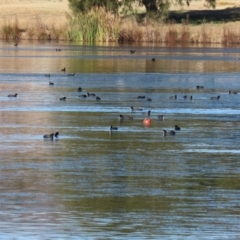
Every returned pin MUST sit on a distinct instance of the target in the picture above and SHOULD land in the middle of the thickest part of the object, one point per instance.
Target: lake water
(133, 183)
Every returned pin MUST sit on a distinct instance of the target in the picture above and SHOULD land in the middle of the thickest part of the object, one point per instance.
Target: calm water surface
(133, 183)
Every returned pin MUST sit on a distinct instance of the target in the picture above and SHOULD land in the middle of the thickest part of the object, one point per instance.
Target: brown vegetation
(47, 20)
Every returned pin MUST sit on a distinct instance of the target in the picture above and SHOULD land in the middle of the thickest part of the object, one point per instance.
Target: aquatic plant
(230, 37)
(98, 25)
(39, 30)
(10, 29)
(95, 25)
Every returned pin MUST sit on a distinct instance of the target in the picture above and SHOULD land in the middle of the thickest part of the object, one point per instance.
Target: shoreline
(47, 20)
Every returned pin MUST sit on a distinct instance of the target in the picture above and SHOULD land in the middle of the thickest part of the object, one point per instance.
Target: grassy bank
(100, 26)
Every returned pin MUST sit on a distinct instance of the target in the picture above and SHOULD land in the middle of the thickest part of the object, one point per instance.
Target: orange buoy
(147, 121)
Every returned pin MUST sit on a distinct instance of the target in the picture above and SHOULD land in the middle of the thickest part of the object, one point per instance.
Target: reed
(185, 35)
(39, 30)
(97, 25)
(10, 29)
(205, 34)
(171, 34)
(58, 32)
(230, 37)
(148, 31)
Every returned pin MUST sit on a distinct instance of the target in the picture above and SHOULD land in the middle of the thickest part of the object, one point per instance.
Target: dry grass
(228, 33)
(52, 11)
(37, 19)
(47, 19)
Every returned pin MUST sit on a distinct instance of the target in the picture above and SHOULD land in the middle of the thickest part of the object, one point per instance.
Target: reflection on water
(133, 183)
(38, 58)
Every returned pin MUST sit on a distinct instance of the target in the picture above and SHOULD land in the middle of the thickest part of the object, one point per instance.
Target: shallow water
(133, 183)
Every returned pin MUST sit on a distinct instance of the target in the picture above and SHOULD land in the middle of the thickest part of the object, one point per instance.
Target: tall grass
(230, 37)
(185, 32)
(98, 25)
(38, 30)
(147, 31)
(10, 29)
(172, 33)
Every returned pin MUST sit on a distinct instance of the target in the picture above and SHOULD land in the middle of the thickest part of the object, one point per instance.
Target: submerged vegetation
(99, 25)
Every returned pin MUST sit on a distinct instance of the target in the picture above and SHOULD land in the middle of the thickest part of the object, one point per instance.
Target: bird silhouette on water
(113, 128)
(51, 136)
(215, 98)
(125, 117)
(171, 132)
(177, 128)
(13, 95)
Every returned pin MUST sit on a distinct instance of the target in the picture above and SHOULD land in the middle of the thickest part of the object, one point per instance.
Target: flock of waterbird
(147, 120)
(51, 136)
(146, 115)
(123, 117)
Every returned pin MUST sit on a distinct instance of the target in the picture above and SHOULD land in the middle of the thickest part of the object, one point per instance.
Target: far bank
(52, 20)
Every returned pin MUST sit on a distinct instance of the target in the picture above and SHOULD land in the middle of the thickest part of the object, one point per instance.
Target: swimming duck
(13, 95)
(49, 136)
(91, 94)
(232, 92)
(113, 128)
(79, 89)
(62, 99)
(148, 113)
(161, 117)
(98, 98)
(51, 83)
(177, 128)
(47, 75)
(132, 51)
(200, 87)
(149, 99)
(215, 98)
(136, 109)
(125, 117)
(186, 97)
(140, 97)
(71, 74)
(173, 97)
(83, 96)
(171, 132)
